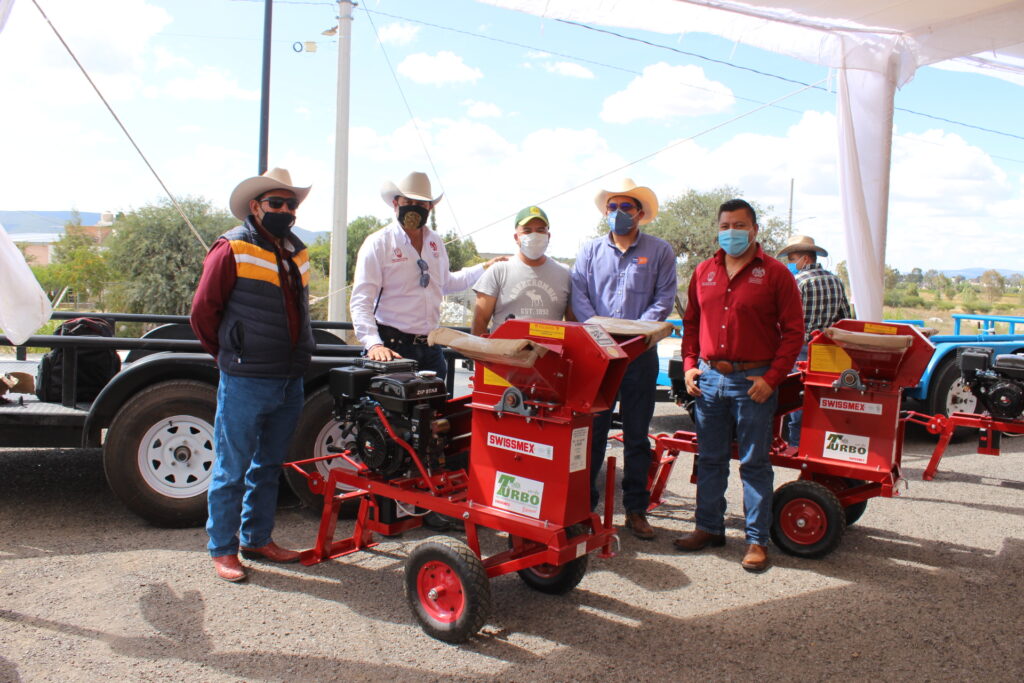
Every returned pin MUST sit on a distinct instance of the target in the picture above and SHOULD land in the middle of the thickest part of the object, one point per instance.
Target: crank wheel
(447, 588)
(557, 579)
(808, 519)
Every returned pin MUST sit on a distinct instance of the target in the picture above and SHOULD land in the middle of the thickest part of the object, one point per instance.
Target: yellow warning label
(494, 379)
(549, 331)
(880, 329)
(827, 358)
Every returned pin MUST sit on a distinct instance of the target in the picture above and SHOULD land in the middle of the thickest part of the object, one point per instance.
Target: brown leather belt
(729, 366)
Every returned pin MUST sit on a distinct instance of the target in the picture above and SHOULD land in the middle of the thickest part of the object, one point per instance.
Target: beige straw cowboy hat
(416, 185)
(801, 243)
(251, 188)
(645, 195)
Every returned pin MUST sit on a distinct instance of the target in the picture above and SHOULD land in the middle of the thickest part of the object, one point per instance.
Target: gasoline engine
(997, 383)
(379, 403)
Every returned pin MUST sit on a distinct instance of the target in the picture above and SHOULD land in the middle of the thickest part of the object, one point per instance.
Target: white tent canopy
(876, 46)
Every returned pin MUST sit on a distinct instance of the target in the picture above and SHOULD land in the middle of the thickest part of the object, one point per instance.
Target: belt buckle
(725, 367)
(419, 339)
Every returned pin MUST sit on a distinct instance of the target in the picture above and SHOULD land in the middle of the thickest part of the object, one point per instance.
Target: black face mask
(412, 217)
(278, 224)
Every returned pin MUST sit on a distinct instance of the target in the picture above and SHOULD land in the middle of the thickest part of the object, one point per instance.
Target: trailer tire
(447, 588)
(557, 580)
(316, 431)
(808, 519)
(158, 454)
(949, 394)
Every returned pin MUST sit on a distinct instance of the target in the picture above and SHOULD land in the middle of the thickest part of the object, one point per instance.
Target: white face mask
(533, 245)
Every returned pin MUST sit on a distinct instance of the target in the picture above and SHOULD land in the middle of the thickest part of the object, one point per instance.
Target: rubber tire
(564, 577)
(813, 494)
(472, 579)
(945, 376)
(121, 450)
(856, 511)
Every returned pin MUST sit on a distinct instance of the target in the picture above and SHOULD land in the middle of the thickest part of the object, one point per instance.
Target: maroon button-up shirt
(755, 316)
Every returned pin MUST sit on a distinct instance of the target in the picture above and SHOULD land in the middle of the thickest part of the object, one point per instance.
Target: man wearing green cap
(531, 286)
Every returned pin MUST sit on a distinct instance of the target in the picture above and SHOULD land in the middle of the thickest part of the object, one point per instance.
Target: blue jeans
(795, 419)
(636, 408)
(722, 408)
(252, 429)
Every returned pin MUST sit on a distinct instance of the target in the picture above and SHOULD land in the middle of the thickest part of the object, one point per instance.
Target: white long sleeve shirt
(387, 279)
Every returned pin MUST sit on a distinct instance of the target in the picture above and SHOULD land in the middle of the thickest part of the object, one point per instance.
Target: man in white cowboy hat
(631, 275)
(742, 331)
(251, 312)
(401, 277)
(530, 285)
(824, 299)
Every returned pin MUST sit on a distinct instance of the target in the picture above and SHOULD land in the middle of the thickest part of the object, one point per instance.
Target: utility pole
(336, 308)
(791, 206)
(268, 20)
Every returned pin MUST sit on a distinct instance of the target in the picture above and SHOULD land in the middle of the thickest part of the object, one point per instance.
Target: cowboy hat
(416, 185)
(801, 243)
(645, 195)
(251, 188)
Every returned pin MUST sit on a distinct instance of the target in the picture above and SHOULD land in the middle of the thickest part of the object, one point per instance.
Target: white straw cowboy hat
(251, 188)
(801, 243)
(416, 185)
(645, 195)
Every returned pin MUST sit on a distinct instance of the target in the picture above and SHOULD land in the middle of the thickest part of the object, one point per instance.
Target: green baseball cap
(531, 212)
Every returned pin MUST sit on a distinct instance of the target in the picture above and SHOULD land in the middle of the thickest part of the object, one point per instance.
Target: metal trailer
(851, 440)
(514, 456)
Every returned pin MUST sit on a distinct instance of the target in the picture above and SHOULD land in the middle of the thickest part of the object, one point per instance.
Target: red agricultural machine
(513, 456)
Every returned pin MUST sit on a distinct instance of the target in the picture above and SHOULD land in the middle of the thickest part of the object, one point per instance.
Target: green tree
(461, 251)
(157, 259)
(78, 263)
(358, 230)
(689, 224)
(891, 279)
(993, 285)
(915, 276)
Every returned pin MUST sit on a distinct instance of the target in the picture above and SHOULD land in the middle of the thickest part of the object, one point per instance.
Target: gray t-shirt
(526, 291)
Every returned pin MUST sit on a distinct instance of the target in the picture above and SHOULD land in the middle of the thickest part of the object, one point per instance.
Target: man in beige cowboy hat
(402, 276)
(824, 299)
(631, 275)
(251, 312)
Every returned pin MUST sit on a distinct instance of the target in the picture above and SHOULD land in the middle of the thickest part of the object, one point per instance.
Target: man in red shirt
(742, 331)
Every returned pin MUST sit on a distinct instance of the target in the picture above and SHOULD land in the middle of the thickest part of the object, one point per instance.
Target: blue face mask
(734, 241)
(620, 222)
(792, 268)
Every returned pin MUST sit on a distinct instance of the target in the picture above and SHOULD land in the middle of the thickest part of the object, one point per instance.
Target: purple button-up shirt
(639, 284)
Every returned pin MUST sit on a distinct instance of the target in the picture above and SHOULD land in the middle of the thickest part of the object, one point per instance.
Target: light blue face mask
(620, 222)
(793, 268)
(734, 241)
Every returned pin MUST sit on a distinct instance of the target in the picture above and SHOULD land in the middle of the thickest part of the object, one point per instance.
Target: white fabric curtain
(5, 10)
(865, 111)
(24, 307)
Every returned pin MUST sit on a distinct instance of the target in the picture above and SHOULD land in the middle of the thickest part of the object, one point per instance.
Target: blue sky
(542, 120)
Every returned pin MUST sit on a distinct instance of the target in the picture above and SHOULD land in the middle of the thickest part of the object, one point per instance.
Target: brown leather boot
(272, 552)
(637, 523)
(698, 539)
(229, 568)
(756, 559)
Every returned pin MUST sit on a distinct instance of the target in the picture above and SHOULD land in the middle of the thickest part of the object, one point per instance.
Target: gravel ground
(927, 586)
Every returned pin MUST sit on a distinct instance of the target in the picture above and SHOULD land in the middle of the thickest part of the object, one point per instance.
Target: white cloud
(537, 54)
(399, 33)
(571, 69)
(209, 83)
(664, 92)
(481, 110)
(440, 69)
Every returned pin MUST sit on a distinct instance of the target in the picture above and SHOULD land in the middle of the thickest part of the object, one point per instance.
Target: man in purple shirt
(630, 275)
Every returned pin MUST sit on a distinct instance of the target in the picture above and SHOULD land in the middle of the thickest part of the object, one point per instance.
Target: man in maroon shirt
(742, 331)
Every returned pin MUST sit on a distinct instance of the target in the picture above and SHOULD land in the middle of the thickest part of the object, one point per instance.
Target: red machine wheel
(447, 588)
(556, 580)
(809, 521)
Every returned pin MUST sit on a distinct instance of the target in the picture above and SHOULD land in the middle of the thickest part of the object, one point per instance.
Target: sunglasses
(621, 206)
(424, 275)
(278, 202)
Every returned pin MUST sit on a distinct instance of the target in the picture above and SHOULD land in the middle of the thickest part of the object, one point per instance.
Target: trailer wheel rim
(176, 456)
(960, 398)
(803, 521)
(332, 435)
(546, 571)
(440, 592)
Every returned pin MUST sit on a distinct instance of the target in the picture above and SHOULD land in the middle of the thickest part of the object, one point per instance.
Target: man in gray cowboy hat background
(251, 312)
(401, 278)
(824, 299)
(631, 275)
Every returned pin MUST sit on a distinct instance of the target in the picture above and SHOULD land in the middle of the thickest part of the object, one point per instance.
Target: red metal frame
(989, 433)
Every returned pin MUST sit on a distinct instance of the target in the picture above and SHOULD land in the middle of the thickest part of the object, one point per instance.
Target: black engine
(410, 403)
(997, 383)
